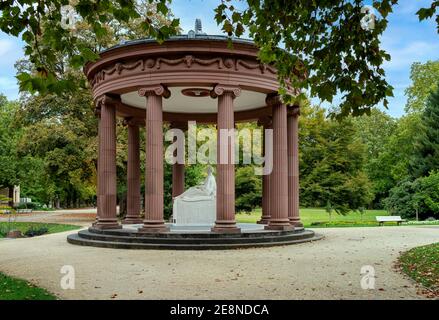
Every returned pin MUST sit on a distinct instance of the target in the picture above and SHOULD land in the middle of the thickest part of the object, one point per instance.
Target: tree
(424, 81)
(59, 136)
(375, 131)
(427, 195)
(9, 134)
(52, 42)
(418, 198)
(392, 164)
(248, 189)
(400, 201)
(324, 47)
(331, 163)
(60, 130)
(426, 144)
(427, 13)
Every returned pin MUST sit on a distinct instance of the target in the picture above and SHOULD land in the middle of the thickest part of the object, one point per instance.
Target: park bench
(24, 211)
(382, 219)
(6, 211)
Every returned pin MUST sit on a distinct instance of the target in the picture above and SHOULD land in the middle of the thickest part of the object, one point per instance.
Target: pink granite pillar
(225, 196)
(177, 179)
(98, 115)
(133, 175)
(293, 166)
(279, 177)
(107, 218)
(265, 181)
(154, 159)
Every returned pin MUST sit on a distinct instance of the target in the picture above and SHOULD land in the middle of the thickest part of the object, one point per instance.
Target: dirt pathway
(326, 269)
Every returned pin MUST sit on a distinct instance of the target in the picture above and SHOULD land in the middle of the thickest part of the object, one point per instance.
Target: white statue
(197, 205)
(202, 191)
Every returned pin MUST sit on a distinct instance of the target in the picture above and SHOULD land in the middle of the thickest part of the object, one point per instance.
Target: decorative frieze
(188, 62)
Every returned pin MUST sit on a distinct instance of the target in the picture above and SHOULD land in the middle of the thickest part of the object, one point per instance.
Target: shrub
(400, 200)
(409, 196)
(29, 205)
(427, 194)
(36, 231)
(3, 231)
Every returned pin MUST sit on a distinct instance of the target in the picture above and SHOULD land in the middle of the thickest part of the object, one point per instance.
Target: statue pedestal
(194, 212)
(197, 205)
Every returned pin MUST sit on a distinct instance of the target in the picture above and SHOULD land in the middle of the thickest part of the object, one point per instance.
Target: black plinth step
(195, 239)
(173, 241)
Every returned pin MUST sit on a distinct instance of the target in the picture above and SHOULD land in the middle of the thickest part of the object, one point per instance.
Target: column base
(226, 226)
(104, 225)
(296, 223)
(264, 220)
(132, 220)
(281, 224)
(153, 227)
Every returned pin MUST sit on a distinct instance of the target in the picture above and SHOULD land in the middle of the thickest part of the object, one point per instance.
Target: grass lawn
(24, 226)
(16, 289)
(315, 217)
(421, 264)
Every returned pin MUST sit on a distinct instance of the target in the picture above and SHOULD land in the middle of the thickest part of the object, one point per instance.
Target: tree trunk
(11, 196)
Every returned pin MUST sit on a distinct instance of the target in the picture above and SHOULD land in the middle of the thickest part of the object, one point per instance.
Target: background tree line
(49, 147)
(48, 139)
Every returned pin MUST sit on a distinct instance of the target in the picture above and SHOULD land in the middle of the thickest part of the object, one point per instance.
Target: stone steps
(188, 241)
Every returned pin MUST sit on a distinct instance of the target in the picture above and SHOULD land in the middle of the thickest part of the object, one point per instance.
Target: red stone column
(154, 159)
(293, 166)
(178, 169)
(98, 115)
(225, 195)
(133, 175)
(265, 180)
(107, 218)
(279, 177)
(177, 179)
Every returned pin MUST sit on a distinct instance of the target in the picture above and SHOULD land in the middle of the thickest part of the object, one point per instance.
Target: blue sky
(406, 39)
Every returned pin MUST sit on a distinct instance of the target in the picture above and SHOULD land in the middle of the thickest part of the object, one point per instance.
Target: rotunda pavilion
(194, 77)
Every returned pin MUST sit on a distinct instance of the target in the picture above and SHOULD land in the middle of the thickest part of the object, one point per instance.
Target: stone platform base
(191, 238)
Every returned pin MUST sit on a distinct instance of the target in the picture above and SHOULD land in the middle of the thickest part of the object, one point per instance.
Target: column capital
(107, 100)
(273, 99)
(221, 89)
(157, 90)
(293, 111)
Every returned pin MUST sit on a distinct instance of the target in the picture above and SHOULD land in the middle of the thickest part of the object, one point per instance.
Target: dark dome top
(186, 37)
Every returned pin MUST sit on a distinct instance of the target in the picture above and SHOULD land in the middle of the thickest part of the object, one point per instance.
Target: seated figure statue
(197, 205)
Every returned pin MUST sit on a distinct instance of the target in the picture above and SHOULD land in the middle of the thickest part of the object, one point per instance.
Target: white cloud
(410, 7)
(404, 56)
(8, 82)
(6, 47)
(9, 87)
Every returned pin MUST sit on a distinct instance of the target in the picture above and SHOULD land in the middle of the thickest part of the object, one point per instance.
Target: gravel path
(80, 217)
(326, 269)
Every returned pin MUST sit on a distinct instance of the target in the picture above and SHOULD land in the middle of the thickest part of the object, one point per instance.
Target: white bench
(382, 219)
(24, 211)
